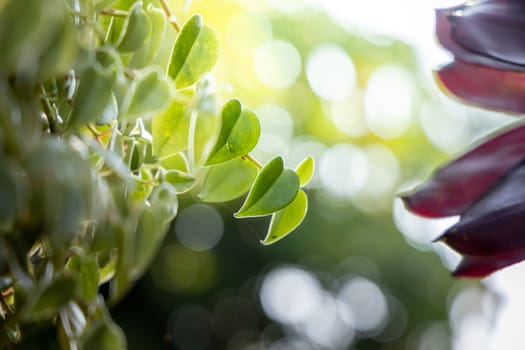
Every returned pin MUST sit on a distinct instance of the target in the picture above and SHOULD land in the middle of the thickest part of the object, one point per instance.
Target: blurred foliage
(108, 113)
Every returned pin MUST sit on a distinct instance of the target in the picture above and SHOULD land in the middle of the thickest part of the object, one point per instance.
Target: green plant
(108, 113)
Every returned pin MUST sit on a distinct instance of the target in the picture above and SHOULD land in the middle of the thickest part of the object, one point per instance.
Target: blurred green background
(359, 273)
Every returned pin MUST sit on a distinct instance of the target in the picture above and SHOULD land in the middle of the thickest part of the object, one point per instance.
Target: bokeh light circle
(389, 100)
(277, 64)
(331, 73)
(343, 170)
(199, 227)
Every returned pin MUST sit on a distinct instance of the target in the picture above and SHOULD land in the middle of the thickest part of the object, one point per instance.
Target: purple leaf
(457, 185)
(481, 266)
(484, 86)
(495, 223)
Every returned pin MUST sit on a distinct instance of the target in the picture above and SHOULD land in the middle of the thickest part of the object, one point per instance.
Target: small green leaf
(104, 336)
(110, 112)
(149, 236)
(93, 95)
(147, 52)
(305, 171)
(240, 131)
(8, 198)
(182, 182)
(286, 220)
(57, 294)
(136, 29)
(195, 52)
(204, 136)
(273, 189)
(178, 161)
(170, 131)
(228, 181)
(148, 94)
(85, 271)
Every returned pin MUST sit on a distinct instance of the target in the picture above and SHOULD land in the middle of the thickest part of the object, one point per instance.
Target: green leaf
(85, 271)
(104, 336)
(8, 197)
(136, 29)
(273, 189)
(149, 236)
(228, 181)
(149, 93)
(182, 182)
(240, 131)
(178, 161)
(110, 112)
(204, 136)
(195, 52)
(57, 294)
(170, 131)
(286, 220)
(147, 52)
(103, 4)
(93, 95)
(305, 171)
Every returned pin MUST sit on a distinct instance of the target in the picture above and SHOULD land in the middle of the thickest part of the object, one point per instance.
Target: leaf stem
(171, 17)
(252, 160)
(114, 13)
(48, 111)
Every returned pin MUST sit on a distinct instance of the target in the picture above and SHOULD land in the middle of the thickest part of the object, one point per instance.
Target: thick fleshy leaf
(285, 221)
(455, 186)
(136, 29)
(182, 182)
(195, 53)
(85, 271)
(150, 233)
(240, 130)
(93, 94)
(110, 112)
(484, 86)
(103, 336)
(147, 52)
(481, 266)
(228, 181)
(305, 171)
(494, 223)
(493, 29)
(170, 131)
(149, 93)
(486, 33)
(274, 188)
(57, 294)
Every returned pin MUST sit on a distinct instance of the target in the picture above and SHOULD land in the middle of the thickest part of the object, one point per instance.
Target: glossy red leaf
(454, 187)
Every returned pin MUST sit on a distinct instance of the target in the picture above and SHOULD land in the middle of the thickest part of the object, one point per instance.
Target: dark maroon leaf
(493, 29)
(484, 86)
(455, 186)
(481, 266)
(445, 38)
(495, 223)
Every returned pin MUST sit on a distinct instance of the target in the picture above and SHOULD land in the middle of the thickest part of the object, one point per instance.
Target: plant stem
(48, 110)
(252, 160)
(114, 13)
(171, 17)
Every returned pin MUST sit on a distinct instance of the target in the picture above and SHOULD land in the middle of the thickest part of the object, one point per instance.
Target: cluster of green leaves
(107, 114)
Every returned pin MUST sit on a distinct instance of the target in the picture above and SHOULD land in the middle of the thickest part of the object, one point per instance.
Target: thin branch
(171, 17)
(252, 160)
